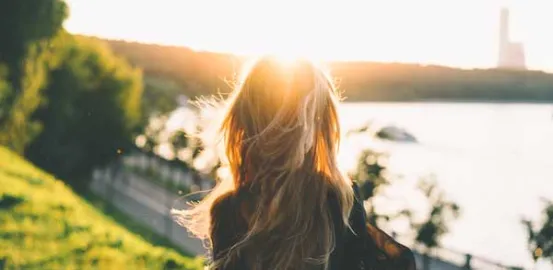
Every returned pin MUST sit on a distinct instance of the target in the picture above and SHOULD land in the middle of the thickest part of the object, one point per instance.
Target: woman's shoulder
(230, 203)
(226, 210)
(223, 204)
(333, 196)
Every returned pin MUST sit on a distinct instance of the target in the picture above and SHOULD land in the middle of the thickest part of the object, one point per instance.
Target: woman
(287, 206)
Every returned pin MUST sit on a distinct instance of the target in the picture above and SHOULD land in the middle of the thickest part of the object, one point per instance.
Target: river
(495, 160)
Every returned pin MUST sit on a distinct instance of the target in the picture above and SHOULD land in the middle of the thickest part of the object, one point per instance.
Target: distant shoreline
(459, 101)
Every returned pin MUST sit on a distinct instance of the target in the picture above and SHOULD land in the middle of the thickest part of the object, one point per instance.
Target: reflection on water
(493, 159)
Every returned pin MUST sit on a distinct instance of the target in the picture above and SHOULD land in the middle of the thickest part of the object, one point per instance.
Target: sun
(289, 59)
(288, 55)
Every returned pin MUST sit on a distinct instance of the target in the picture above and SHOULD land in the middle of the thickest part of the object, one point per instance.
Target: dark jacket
(367, 249)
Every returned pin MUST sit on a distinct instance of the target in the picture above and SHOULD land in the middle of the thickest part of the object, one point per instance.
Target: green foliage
(27, 31)
(179, 140)
(160, 97)
(22, 24)
(150, 139)
(365, 81)
(49, 227)
(176, 142)
(204, 73)
(17, 130)
(91, 112)
(370, 169)
(26, 21)
(540, 236)
(8, 201)
(373, 177)
(370, 173)
(442, 211)
(183, 147)
(5, 90)
(196, 73)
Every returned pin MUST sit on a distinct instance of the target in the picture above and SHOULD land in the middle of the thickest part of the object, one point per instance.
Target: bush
(91, 112)
(27, 30)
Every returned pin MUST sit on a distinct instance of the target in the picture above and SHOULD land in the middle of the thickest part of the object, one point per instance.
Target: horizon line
(336, 60)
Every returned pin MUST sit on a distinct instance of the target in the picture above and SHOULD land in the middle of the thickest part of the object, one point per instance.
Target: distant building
(511, 54)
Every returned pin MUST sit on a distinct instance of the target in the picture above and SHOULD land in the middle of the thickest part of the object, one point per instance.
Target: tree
(5, 87)
(373, 178)
(17, 129)
(430, 231)
(540, 236)
(91, 112)
(370, 173)
(182, 144)
(151, 136)
(27, 29)
(160, 97)
(24, 23)
(442, 210)
(179, 141)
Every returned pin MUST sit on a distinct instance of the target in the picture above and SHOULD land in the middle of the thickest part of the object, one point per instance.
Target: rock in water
(395, 134)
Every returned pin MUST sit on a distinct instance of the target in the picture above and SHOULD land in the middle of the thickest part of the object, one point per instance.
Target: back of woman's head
(281, 133)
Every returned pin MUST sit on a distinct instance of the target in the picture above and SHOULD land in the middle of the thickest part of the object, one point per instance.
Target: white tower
(511, 55)
(504, 38)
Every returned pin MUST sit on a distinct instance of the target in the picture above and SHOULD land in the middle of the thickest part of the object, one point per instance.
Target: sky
(459, 33)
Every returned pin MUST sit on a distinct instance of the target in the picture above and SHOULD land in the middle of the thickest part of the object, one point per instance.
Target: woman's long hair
(281, 133)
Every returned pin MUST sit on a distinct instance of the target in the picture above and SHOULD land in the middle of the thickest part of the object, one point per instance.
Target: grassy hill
(207, 73)
(44, 225)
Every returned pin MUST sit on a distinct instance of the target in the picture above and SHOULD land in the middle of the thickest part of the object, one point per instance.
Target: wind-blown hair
(281, 134)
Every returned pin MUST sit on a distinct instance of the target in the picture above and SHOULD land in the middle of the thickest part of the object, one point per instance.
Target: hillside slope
(44, 225)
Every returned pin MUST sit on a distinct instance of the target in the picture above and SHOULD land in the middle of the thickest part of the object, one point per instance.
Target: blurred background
(447, 122)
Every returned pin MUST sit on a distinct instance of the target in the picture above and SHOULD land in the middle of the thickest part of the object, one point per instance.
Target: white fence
(148, 203)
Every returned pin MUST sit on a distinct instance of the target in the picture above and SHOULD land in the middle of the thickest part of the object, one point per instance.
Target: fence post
(109, 182)
(168, 218)
(115, 172)
(426, 260)
(468, 259)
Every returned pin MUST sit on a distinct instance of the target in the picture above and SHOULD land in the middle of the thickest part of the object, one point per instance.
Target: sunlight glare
(425, 31)
(287, 54)
(289, 59)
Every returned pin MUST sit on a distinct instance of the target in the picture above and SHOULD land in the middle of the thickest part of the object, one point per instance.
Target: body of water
(495, 160)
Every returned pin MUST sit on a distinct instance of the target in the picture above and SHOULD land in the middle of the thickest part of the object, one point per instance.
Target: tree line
(66, 102)
(207, 73)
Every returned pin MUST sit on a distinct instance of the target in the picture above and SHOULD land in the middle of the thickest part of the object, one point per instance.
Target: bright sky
(462, 33)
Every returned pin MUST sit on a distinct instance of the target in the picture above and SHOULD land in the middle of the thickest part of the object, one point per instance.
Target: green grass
(44, 225)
